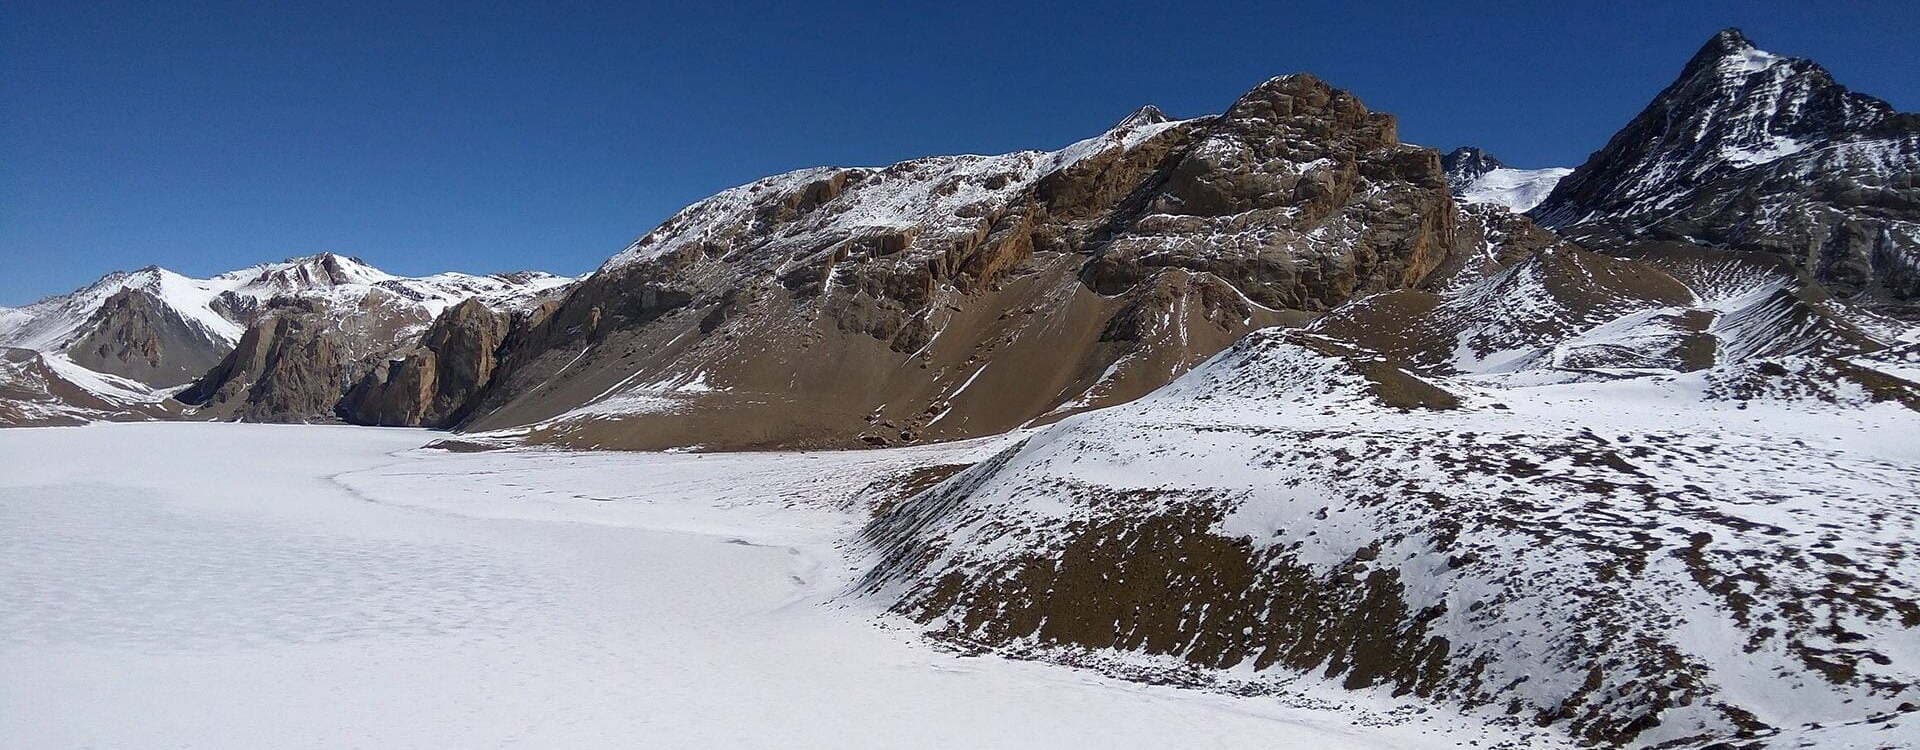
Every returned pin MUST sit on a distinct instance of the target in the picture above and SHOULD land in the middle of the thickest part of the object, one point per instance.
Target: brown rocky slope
(956, 296)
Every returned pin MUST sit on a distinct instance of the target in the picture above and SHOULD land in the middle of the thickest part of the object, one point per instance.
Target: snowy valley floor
(220, 585)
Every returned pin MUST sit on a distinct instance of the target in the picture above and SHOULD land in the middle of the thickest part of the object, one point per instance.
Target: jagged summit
(1467, 163)
(1147, 115)
(1296, 94)
(320, 270)
(1751, 150)
(1733, 106)
(1726, 42)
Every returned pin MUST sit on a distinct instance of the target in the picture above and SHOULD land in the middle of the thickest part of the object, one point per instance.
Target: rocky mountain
(150, 334)
(152, 325)
(1645, 488)
(1651, 500)
(957, 296)
(1476, 177)
(1749, 150)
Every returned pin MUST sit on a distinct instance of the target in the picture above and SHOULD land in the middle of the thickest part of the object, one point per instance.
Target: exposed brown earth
(1285, 509)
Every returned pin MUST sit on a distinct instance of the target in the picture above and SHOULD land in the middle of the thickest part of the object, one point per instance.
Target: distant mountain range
(155, 344)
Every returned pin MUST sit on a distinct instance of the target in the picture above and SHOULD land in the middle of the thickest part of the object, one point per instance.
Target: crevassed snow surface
(218, 585)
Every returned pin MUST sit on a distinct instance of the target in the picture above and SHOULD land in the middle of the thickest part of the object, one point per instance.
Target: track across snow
(221, 585)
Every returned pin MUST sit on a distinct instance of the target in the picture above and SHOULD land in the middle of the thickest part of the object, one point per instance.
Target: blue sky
(208, 136)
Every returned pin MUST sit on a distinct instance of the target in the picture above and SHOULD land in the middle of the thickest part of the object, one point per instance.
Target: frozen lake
(221, 585)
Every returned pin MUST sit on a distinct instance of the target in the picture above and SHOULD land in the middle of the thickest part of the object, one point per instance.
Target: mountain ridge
(1139, 252)
(1750, 150)
(160, 331)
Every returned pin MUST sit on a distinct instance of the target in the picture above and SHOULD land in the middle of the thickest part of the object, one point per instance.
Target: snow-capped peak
(1734, 53)
(1142, 117)
(52, 323)
(221, 306)
(1135, 128)
(1733, 107)
(322, 270)
(1476, 176)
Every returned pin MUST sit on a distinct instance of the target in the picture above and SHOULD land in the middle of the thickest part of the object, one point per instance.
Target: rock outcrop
(434, 383)
(286, 368)
(1466, 164)
(370, 359)
(1298, 195)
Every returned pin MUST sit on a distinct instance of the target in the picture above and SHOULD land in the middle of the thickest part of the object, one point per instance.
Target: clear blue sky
(204, 137)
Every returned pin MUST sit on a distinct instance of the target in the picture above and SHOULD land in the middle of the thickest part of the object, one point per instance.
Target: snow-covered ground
(222, 585)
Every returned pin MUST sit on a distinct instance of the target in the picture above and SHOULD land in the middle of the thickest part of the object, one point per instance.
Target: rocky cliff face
(434, 383)
(1298, 195)
(369, 358)
(1749, 150)
(955, 296)
(285, 368)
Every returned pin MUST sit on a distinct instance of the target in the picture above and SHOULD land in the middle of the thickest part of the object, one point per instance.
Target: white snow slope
(220, 585)
(1583, 545)
(1517, 189)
